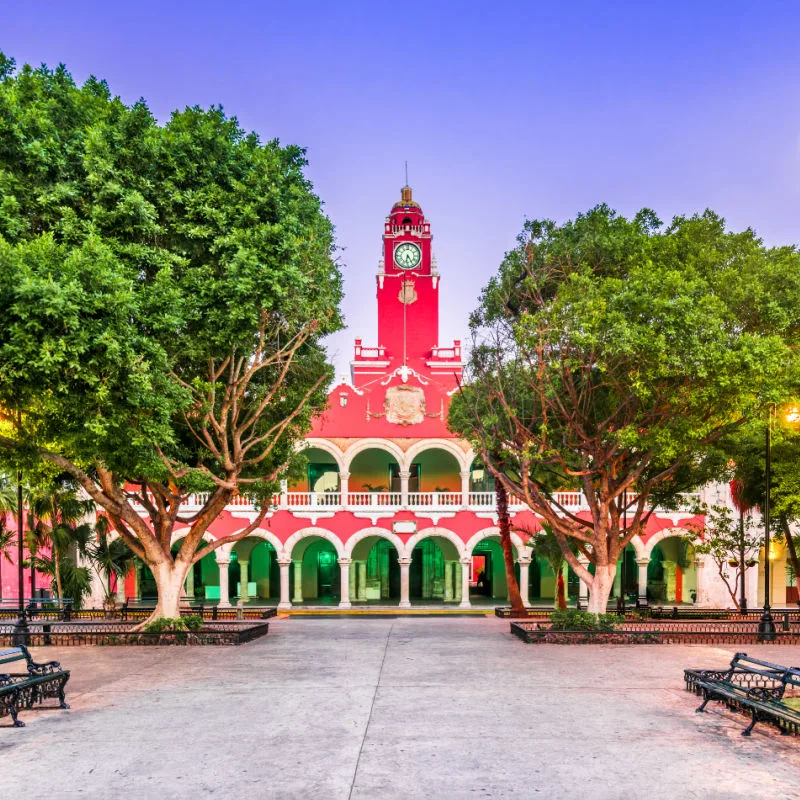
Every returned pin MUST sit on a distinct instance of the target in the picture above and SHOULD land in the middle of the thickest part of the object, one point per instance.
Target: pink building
(394, 509)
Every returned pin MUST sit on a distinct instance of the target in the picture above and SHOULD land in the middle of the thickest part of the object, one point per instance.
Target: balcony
(438, 502)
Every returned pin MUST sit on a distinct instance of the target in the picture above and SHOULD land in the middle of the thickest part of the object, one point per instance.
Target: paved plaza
(392, 708)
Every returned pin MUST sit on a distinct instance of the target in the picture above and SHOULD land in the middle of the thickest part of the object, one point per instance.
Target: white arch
(448, 445)
(323, 444)
(365, 533)
(442, 533)
(639, 547)
(666, 533)
(486, 533)
(373, 444)
(305, 533)
(264, 535)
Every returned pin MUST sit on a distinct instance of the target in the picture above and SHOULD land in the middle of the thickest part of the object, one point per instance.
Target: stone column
(643, 564)
(405, 565)
(344, 566)
(121, 587)
(670, 578)
(224, 593)
(699, 588)
(244, 577)
(284, 500)
(524, 580)
(361, 567)
(353, 583)
(465, 488)
(284, 564)
(583, 589)
(404, 476)
(466, 566)
(298, 582)
(344, 488)
(448, 580)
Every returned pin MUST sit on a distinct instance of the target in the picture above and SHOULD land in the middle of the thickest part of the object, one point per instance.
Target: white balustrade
(374, 499)
(434, 499)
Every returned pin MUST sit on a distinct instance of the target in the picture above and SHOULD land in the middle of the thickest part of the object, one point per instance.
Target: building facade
(395, 509)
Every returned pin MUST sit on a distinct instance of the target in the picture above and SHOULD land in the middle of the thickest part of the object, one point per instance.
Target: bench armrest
(45, 668)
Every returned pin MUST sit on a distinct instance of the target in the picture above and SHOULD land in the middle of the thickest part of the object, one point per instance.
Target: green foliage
(613, 354)
(166, 625)
(147, 272)
(571, 619)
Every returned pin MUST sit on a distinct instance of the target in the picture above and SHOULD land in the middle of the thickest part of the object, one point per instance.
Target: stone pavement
(392, 708)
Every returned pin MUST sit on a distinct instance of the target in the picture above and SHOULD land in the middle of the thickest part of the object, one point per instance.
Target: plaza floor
(392, 708)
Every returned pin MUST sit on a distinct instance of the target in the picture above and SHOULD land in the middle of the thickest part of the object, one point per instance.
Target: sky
(503, 110)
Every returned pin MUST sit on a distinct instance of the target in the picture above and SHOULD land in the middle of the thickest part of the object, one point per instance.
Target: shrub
(166, 625)
(193, 622)
(571, 619)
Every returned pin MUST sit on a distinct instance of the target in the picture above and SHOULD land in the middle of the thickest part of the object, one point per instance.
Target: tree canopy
(611, 354)
(164, 290)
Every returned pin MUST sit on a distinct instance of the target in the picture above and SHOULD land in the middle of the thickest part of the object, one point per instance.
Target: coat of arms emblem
(407, 294)
(405, 405)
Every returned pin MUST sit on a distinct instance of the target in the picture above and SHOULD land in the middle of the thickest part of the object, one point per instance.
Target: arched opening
(254, 572)
(437, 479)
(542, 582)
(435, 571)
(374, 572)
(481, 486)
(315, 576)
(671, 573)
(626, 580)
(321, 481)
(375, 479)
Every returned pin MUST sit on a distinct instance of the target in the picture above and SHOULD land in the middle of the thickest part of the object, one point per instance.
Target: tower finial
(406, 163)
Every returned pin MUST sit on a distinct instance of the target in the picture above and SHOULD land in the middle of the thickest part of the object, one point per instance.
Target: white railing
(312, 499)
(572, 501)
(434, 499)
(374, 499)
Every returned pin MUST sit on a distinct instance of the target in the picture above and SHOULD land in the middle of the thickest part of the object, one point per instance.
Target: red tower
(408, 304)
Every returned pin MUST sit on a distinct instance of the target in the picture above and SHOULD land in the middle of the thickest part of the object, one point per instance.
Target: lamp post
(20, 636)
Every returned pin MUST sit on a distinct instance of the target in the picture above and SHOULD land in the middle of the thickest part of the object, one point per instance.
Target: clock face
(407, 255)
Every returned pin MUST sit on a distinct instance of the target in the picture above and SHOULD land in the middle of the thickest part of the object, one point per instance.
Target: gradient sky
(504, 110)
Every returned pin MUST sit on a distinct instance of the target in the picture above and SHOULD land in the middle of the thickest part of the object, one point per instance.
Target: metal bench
(20, 691)
(752, 686)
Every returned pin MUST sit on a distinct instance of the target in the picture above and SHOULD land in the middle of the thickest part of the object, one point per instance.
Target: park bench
(20, 691)
(752, 686)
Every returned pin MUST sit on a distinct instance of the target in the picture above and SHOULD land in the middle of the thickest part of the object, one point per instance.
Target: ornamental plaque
(408, 294)
(405, 405)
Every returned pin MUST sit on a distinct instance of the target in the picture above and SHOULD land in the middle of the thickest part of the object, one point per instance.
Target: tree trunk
(169, 577)
(504, 523)
(561, 598)
(601, 587)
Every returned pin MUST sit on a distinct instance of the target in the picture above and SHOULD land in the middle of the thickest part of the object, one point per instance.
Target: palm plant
(545, 545)
(58, 511)
(112, 559)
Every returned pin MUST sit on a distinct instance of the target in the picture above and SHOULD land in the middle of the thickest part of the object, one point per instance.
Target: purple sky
(503, 110)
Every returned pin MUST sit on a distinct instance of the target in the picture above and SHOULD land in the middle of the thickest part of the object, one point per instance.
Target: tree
(165, 292)
(732, 545)
(610, 355)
